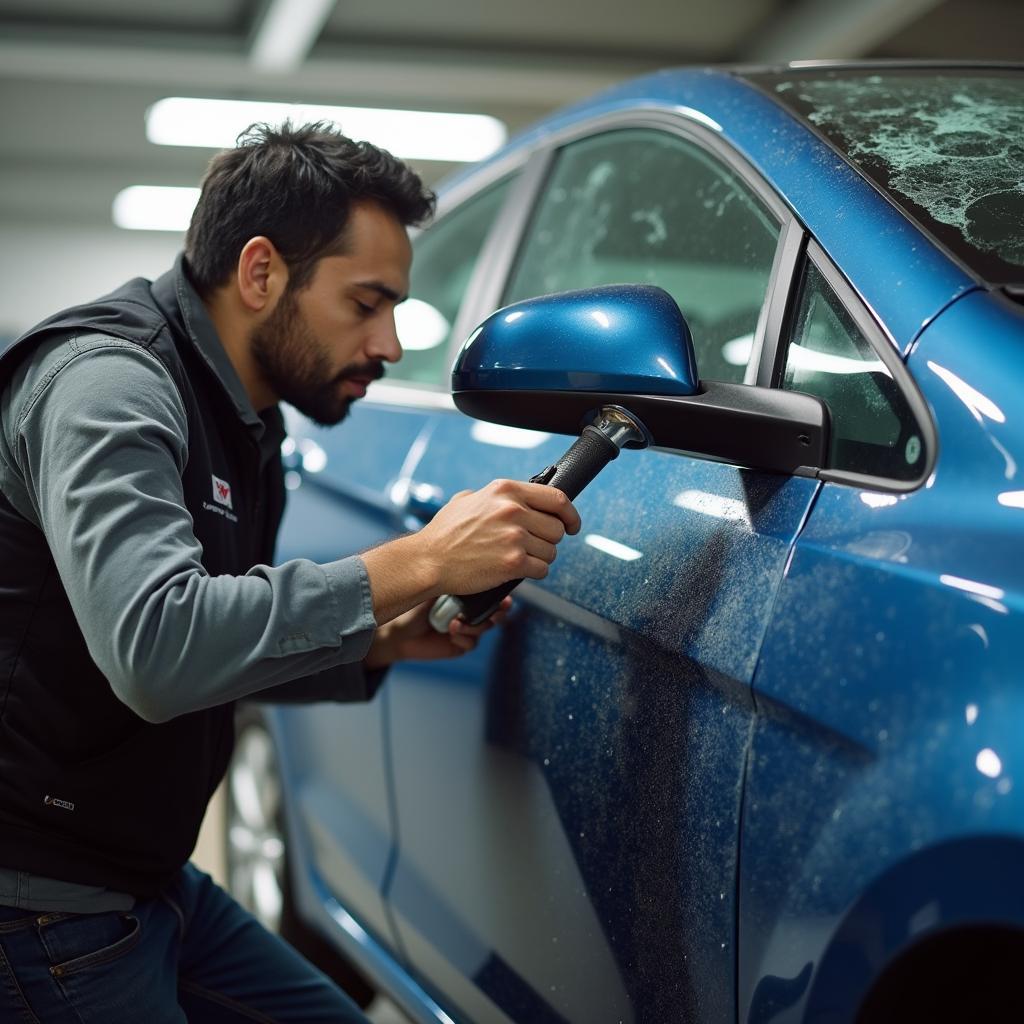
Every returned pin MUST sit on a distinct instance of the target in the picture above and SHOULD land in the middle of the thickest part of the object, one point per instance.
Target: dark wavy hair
(296, 186)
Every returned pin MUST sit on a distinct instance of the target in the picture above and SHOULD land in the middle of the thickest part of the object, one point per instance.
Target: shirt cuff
(351, 604)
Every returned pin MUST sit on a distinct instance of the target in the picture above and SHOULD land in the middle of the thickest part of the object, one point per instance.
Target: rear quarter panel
(885, 796)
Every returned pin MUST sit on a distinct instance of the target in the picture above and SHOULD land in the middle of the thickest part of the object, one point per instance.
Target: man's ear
(262, 275)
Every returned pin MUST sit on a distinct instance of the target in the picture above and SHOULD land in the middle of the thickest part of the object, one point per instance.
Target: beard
(287, 353)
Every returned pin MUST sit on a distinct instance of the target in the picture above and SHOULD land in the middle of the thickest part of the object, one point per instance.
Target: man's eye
(365, 309)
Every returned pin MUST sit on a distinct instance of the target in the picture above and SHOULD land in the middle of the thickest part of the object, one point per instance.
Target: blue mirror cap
(622, 338)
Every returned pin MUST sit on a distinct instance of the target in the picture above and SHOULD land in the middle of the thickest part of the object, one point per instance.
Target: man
(140, 493)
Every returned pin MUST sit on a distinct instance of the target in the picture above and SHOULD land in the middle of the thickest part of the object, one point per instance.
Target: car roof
(850, 219)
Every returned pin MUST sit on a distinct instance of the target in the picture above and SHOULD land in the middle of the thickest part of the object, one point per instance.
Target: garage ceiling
(76, 76)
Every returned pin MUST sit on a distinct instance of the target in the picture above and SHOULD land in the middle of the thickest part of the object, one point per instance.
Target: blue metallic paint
(626, 338)
(796, 712)
(890, 681)
(335, 759)
(599, 739)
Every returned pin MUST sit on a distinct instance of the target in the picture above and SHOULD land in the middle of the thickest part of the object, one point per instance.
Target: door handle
(423, 501)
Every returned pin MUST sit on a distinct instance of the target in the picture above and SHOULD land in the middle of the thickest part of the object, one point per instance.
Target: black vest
(90, 792)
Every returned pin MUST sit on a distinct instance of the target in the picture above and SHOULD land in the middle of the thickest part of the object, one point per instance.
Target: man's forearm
(403, 573)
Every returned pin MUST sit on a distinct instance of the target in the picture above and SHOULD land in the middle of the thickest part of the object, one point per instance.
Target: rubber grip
(585, 458)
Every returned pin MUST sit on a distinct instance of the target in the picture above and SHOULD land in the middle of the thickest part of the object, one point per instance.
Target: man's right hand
(504, 531)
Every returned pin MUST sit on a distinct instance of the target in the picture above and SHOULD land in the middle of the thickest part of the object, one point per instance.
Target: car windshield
(946, 145)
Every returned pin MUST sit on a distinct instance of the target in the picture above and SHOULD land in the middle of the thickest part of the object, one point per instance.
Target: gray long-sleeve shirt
(93, 442)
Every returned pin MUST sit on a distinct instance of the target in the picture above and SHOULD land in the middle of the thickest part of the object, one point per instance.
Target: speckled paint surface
(889, 699)
(618, 699)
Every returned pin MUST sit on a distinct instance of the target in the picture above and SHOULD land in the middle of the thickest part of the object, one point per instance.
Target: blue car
(753, 750)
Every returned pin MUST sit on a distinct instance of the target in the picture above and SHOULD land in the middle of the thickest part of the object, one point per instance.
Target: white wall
(45, 268)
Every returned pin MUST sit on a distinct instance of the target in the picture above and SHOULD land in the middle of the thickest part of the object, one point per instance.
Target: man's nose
(385, 344)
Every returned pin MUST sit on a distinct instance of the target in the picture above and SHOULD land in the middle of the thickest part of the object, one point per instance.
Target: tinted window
(873, 430)
(642, 206)
(443, 260)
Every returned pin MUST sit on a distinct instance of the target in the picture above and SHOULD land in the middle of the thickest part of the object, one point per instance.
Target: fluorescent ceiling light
(154, 208)
(813, 361)
(978, 404)
(287, 33)
(408, 134)
(737, 351)
(987, 762)
(973, 587)
(874, 500)
(696, 115)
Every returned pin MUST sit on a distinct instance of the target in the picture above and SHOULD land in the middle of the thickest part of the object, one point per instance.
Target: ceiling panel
(979, 30)
(182, 14)
(709, 28)
(76, 76)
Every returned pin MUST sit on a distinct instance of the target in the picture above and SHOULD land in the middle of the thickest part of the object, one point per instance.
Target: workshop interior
(744, 280)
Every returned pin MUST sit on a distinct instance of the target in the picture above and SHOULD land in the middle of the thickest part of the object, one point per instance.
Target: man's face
(322, 345)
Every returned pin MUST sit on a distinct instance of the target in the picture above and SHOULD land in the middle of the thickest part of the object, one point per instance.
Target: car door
(345, 495)
(568, 796)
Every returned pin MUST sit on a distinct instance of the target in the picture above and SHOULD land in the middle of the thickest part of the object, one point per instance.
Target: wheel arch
(940, 919)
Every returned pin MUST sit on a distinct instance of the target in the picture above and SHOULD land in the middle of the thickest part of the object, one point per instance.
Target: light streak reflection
(612, 547)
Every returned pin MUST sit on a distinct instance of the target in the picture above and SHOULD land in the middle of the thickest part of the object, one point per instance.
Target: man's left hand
(410, 637)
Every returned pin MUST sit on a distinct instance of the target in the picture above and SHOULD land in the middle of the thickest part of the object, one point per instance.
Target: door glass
(873, 429)
(642, 206)
(443, 260)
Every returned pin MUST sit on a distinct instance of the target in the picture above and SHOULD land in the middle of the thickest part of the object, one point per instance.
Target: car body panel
(592, 753)
(889, 706)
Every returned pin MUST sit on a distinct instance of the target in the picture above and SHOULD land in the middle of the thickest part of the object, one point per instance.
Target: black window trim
(494, 265)
(773, 364)
(764, 359)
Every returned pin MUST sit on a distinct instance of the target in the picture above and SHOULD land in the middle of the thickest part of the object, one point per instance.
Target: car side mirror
(551, 362)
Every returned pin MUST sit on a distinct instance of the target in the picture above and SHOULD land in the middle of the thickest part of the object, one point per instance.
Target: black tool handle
(584, 459)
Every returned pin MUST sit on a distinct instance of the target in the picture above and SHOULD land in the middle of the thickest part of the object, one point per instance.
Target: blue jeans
(190, 956)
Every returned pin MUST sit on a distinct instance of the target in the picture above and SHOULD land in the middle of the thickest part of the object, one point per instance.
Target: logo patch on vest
(53, 801)
(222, 497)
(222, 492)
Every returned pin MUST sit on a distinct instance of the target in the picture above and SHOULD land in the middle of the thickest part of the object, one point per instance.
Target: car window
(643, 206)
(873, 429)
(444, 256)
